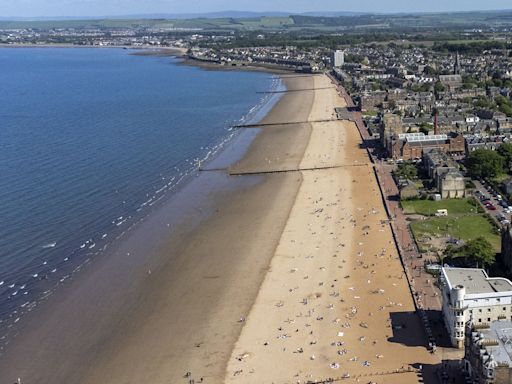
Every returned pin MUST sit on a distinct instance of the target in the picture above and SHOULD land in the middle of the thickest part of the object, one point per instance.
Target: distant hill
(185, 16)
(238, 20)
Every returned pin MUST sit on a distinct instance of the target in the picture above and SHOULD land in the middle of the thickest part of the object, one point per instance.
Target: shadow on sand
(408, 329)
(446, 372)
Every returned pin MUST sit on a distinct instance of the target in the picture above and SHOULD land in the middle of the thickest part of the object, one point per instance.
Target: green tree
(484, 102)
(407, 170)
(505, 151)
(480, 250)
(429, 70)
(439, 87)
(506, 109)
(484, 163)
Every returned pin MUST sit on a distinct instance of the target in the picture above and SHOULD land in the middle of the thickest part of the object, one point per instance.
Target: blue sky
(123, 7)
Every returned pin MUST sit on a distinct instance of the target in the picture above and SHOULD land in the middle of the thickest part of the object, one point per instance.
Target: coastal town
(398, 244)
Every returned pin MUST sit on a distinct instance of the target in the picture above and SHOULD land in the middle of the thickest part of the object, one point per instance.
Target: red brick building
(409, 146)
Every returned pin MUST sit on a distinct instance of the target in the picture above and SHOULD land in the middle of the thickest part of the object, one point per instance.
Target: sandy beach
(274, 278)
(335, 282)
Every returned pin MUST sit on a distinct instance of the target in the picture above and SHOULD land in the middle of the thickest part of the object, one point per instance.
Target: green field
(460, 227)
(430, 207)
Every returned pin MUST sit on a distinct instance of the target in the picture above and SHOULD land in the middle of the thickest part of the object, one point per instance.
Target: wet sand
(168, 299)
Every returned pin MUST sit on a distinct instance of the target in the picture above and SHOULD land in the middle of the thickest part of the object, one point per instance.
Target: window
(489, 319)
(488, 309)
(480, 310)
(504, 308)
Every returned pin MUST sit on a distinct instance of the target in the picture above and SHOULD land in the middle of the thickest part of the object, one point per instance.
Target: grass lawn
(429, 207)
(466, 227)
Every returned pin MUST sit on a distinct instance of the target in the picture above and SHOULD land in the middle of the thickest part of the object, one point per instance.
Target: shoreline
(177, 52)
(61, 315)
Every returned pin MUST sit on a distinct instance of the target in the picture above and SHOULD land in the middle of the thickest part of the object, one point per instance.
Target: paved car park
(495, 205)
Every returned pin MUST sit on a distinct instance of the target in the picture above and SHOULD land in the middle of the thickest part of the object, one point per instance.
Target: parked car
(490, 207)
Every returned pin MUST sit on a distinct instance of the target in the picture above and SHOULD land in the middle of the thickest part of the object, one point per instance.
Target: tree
(484, 102)
(484, 163)
(407, 170)
(506, 109)
(439, 87)
(426, 127)
(504, 105)
(505, 151)
(429, 70)
(480, 250)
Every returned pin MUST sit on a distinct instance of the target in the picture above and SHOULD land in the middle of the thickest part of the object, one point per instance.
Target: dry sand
(324, 308)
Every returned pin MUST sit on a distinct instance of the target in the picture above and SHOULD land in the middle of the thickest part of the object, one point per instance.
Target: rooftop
(420, 137)
(476, 280)
(501, 333)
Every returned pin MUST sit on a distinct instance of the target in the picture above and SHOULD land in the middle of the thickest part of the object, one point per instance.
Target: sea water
(90, 141)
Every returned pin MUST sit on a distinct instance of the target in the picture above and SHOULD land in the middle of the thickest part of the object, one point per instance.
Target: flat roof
(476, 280)
(500, 331)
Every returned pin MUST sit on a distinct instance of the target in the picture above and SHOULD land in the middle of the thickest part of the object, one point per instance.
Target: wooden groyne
(283, 123)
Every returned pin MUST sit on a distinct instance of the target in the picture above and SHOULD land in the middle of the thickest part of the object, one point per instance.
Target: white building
(338, 58)
(470, 293)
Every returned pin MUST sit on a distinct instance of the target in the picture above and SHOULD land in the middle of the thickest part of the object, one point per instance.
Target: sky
(30, 8)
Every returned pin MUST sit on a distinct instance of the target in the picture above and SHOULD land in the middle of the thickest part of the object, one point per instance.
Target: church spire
(456, 67)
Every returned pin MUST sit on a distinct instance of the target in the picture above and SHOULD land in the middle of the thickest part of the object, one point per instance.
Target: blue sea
(90, 141)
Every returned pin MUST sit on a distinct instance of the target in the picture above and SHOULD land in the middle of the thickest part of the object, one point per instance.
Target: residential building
(470, 293)
(338, 58)
(444, 172)
(474, 142)
(488, 352)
